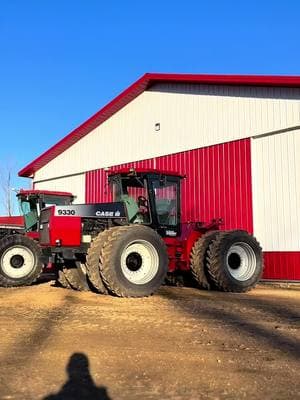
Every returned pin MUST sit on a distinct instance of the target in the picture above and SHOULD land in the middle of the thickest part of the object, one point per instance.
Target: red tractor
(128, 246)
(21, 260)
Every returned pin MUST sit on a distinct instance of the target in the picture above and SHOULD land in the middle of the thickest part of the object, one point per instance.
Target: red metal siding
(218, 183)
(282, 265)
(96, 189)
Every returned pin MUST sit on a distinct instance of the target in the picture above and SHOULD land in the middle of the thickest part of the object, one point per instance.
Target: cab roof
(133, 171)
(32, 192)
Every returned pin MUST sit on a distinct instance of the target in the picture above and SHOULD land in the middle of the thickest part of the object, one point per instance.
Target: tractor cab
(151, 198)
(31, 202)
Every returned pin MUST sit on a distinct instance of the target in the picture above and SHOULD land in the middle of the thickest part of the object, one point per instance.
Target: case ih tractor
(128, 246)
(21, 260)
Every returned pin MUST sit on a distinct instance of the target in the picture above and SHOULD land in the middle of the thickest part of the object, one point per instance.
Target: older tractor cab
(31, 202)
(20, 255)
(127, 246)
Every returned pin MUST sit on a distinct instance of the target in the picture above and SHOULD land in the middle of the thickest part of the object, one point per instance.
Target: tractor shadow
(270, 324)
(80, 384)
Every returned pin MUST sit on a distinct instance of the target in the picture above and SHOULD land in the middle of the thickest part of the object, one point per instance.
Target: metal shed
(237, 138)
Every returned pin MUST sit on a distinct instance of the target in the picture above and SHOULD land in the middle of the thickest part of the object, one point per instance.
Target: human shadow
(80, 384)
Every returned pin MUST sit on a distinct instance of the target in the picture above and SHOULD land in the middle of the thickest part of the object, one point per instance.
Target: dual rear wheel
(73, 275)
(231, 261)
(127, 261)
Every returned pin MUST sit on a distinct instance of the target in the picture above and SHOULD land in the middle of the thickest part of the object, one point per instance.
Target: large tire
(235, 261)
(76, 276)
(93, 261)
(198, 259)
(62, 280)
(133, 261)
(20, 261)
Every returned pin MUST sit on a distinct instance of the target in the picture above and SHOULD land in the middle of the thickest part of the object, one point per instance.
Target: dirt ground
(181, 343)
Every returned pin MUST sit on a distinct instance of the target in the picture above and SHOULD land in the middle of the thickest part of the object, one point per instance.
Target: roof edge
(77, 133)
(134, 90)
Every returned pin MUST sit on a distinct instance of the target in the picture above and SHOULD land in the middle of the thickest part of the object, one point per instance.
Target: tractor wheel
(62, 280)
(235, 261)
(76, 276)
(20, 263)
(93, 262)
(134, 261)
(198, 259)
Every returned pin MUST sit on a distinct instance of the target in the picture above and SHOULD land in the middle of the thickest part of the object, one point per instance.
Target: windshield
(165, 194)
(55, 201)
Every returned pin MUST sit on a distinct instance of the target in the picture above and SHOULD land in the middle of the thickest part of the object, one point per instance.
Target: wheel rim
(17, 262)
(241, 261)
(139, 262)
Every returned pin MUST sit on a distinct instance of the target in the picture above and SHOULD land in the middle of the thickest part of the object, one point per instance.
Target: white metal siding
(74, 184)
(190, 116)
(276, 191)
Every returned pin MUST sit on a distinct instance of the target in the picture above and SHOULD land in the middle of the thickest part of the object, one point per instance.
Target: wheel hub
(17, 261)
(241, 261)
(134, 261)
(234, 260)
(139, 262)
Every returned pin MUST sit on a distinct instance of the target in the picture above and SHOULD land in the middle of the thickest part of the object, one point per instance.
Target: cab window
(30, 213)
(134, 193)
(55, 201)
(165, 195)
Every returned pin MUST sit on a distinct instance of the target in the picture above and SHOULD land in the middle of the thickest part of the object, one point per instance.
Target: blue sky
(63, 60)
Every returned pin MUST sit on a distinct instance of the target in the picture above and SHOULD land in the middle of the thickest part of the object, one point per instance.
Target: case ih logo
(104, 210)
(108, 213)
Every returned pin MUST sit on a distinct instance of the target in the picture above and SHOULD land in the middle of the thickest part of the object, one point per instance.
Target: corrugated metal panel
(74, 184)
(96, 189)
(276, 191)
(190, 116)
(218, 183)
(282, 265)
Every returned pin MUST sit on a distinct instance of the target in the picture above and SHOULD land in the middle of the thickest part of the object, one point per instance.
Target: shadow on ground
(80, 384)
(45, 277)
(267, 330)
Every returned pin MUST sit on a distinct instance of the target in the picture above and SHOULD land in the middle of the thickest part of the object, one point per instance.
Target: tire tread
(106, 259)
(214, 257)
(198, 260)
(76, 278)
(25, 241)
